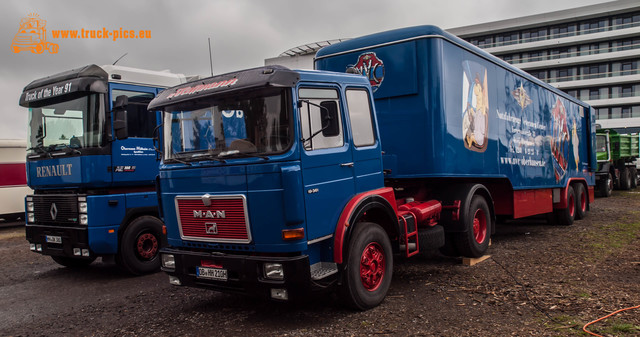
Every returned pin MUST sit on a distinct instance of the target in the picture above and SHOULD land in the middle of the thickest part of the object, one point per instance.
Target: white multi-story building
(590, 52)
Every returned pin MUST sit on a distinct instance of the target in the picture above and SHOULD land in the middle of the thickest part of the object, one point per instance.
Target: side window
(321, 119)
(140, 122)
(360, 116)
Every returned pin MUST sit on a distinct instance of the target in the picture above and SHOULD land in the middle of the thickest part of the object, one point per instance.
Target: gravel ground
(541, 280)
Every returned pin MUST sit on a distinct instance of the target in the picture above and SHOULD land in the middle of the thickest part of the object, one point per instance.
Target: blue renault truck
(92, 165)
(278, 182)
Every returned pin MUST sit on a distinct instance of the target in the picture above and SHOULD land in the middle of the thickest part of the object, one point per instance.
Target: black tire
(72, 262)
(634, 177)
(582, 202)
(474, 241)
(565, 216)
(625, 179)
(431, 238)
(364, 290)
(139, 246)
(607, 186)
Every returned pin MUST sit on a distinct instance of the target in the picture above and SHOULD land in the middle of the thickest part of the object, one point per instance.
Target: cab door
(134, 159)
(327, 162)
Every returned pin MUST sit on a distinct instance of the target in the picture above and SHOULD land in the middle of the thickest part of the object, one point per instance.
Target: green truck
(616, 154)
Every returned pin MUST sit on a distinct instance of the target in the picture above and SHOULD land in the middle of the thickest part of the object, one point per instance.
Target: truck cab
(257, 168)
(92, 165)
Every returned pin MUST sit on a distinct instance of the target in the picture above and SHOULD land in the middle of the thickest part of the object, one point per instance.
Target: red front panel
(224, 220)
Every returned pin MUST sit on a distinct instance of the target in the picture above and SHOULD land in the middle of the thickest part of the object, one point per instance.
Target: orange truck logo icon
(32, 35)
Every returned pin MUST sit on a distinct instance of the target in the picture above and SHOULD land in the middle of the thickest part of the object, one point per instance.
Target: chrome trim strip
(320, 239)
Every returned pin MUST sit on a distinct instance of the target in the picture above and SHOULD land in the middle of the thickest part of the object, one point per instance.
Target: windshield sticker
(203, 87)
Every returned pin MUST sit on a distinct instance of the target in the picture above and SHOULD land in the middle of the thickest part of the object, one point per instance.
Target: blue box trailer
(92, 165)
(278, 182)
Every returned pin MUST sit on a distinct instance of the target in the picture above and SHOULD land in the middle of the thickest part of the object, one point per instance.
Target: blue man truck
(92, 165)
(278, 182)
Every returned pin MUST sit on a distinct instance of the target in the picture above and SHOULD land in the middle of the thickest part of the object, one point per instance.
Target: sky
(243, 33)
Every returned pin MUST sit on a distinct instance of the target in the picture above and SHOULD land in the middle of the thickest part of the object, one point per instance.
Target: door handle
(346, 164)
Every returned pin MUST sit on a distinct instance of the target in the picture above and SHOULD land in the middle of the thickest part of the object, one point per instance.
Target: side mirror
(120, 117)
(329, 117)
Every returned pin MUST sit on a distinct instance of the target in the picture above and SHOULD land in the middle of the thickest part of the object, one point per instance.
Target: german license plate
(54, 239)
(212, 273)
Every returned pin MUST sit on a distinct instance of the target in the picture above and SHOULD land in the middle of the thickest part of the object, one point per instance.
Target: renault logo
(53, 211)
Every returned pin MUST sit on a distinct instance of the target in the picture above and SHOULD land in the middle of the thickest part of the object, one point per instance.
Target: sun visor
(271, 76)
(73, 83)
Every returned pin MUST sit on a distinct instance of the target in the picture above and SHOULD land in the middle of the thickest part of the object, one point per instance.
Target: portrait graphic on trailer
(475, 106)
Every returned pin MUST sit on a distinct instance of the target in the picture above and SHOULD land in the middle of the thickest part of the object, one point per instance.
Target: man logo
(211, 228)
(370, 66)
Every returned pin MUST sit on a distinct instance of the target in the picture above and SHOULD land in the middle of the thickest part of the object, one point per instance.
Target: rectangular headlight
(30, 206)
(168, 261)
(84, 219)
(31, 218)
(273, 271)
(82, 207)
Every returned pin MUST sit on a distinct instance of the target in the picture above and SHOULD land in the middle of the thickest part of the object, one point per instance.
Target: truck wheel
(71, 262)
(139, 246)
(581, 201)
(607, 186)
(565, 216)
(634, 177)
(39, 49)
(474, 242)
(53, 48)
(369, 266)
(625, 179)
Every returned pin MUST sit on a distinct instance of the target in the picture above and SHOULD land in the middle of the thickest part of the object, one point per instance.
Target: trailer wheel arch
(365, 207)
(465, 193)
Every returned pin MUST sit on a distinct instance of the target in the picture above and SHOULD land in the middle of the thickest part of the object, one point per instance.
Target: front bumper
(71, 238)
(245, 273)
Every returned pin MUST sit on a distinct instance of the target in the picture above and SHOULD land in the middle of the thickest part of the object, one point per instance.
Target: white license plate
(54, 239)
(212, 273)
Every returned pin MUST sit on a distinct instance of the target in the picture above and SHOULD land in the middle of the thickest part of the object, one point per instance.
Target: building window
(602, 113)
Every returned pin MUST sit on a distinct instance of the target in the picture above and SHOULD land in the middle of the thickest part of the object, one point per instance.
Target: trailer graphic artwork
(560, 139)
(475, 106)
(371, 67)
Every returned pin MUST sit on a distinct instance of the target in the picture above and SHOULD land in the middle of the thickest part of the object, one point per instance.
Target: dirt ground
(541, 280)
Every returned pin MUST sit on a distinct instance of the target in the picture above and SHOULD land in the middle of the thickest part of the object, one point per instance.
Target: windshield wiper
(236, 153)
(53, 147)
(208, 155)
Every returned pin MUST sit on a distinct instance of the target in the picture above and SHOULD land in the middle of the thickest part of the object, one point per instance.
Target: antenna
(114, 63)
(210, 58)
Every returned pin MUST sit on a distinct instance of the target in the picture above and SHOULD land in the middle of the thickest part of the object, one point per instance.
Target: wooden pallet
(467, 261)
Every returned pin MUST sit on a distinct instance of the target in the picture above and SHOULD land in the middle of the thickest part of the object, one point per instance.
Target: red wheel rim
(480, 226)
(372, 264)
(583, 201)
(147, 245)
(572, 205)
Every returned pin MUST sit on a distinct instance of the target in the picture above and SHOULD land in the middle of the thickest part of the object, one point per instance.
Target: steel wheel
(147, 246)
(372, 265)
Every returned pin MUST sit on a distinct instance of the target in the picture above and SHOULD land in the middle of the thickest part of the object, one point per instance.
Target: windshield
(601, 143)
(244, 124)
(74, 124)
